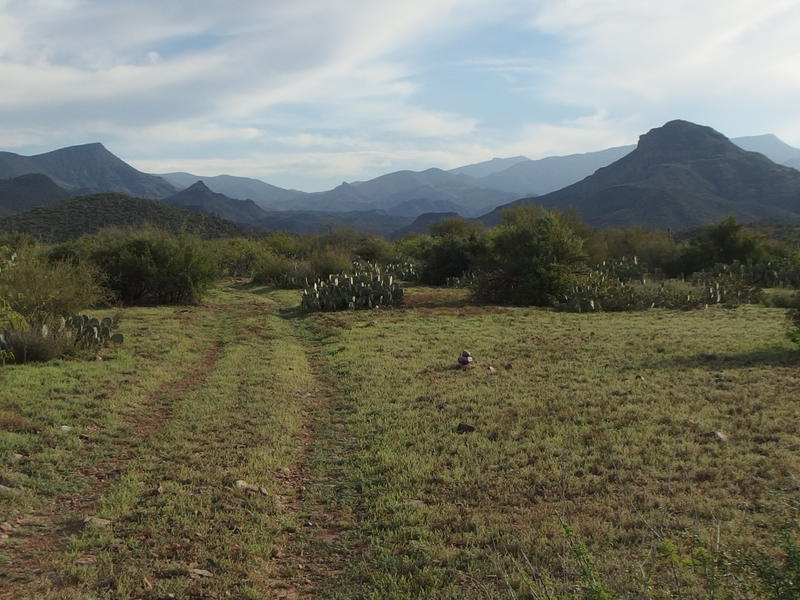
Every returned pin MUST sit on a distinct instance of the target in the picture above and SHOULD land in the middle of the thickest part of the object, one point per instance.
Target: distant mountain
(421, 206)
(303, 221)
(482, 169)
(86, 169)
(770, 146)
(680, 175)
(392, 189)
(199, 198)
(69, 220)
(25, 192)
(267, 196)
(422, 224)
(536, 177)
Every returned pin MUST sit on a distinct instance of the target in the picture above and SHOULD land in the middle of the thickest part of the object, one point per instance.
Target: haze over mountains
(679, 175)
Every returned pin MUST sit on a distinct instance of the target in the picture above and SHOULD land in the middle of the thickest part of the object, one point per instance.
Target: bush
(154, 267)
(238, 257)
(330, 261)
(39, 290)
(282, 272)
(533, 260)
(794, 325)
(29, 344)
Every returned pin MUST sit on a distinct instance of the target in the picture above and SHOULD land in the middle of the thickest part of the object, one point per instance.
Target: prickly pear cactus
(359, 290)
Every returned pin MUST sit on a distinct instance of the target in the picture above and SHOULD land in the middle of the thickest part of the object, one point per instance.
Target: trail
(35, 536)
(313, 554)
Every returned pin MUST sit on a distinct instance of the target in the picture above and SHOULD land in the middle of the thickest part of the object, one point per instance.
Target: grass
(644, 454)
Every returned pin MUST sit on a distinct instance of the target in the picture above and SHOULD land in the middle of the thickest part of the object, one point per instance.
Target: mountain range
(680, 175)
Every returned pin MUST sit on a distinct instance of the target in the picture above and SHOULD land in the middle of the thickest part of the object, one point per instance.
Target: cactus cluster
(359, 290)
(89, 332)
(620, 287)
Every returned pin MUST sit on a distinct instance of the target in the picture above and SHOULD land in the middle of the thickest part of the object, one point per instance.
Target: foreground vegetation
(626, 429)
(242, 449)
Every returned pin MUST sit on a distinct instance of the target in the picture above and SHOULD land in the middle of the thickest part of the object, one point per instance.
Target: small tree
(532, 259)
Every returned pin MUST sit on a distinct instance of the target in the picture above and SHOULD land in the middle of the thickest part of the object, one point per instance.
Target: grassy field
(242, 450)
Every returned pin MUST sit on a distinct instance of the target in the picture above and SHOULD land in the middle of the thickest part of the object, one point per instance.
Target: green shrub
(238, 257)
(330, 261)
(533, 260)
(39, 290)
(154, 267)
(282, 272)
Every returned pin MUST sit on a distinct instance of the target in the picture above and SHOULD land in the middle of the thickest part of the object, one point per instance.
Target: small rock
(86, 560)
(640, 378)
(721, 436)
(241, 484)
(492, 370)
(96, 522)
(195, 573)
(465, 358)
(465, 428)
(9, 492)
(98, 357)
(66, 428)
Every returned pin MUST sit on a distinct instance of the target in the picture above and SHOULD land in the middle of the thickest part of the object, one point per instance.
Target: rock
(9, 492)
(86, 560)
(241, 484)
(492, 370)
(640, 378)
(195, 573)
(465, 358)
(96, 522)
(66, 428)
(465, 428)
(721, 436)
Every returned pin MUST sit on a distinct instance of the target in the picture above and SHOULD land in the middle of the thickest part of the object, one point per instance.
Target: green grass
(594, 464)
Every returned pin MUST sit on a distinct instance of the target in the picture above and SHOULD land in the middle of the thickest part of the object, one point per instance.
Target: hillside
(86, 169)
(25, 192)
(89, 214)
(304, 221)
(680, 175)
(199, 198)
(265, 195)
(392, 189)
(422, 224)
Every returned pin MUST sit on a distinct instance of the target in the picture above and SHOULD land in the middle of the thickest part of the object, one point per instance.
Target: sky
(306, 94)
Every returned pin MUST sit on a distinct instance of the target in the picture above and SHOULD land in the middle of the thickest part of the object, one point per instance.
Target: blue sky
(310, 93)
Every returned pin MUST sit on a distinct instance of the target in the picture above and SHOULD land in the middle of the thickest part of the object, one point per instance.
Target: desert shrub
(154, 267)
(282, 272)
(456, 247)
(238, 257)
(29, 344)
(39, 290)
(794, 325)
(283, 244)
(532, 260)
(375, 249)
(330, 261)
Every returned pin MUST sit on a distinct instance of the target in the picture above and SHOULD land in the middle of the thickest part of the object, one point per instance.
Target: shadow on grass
(769, 357)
